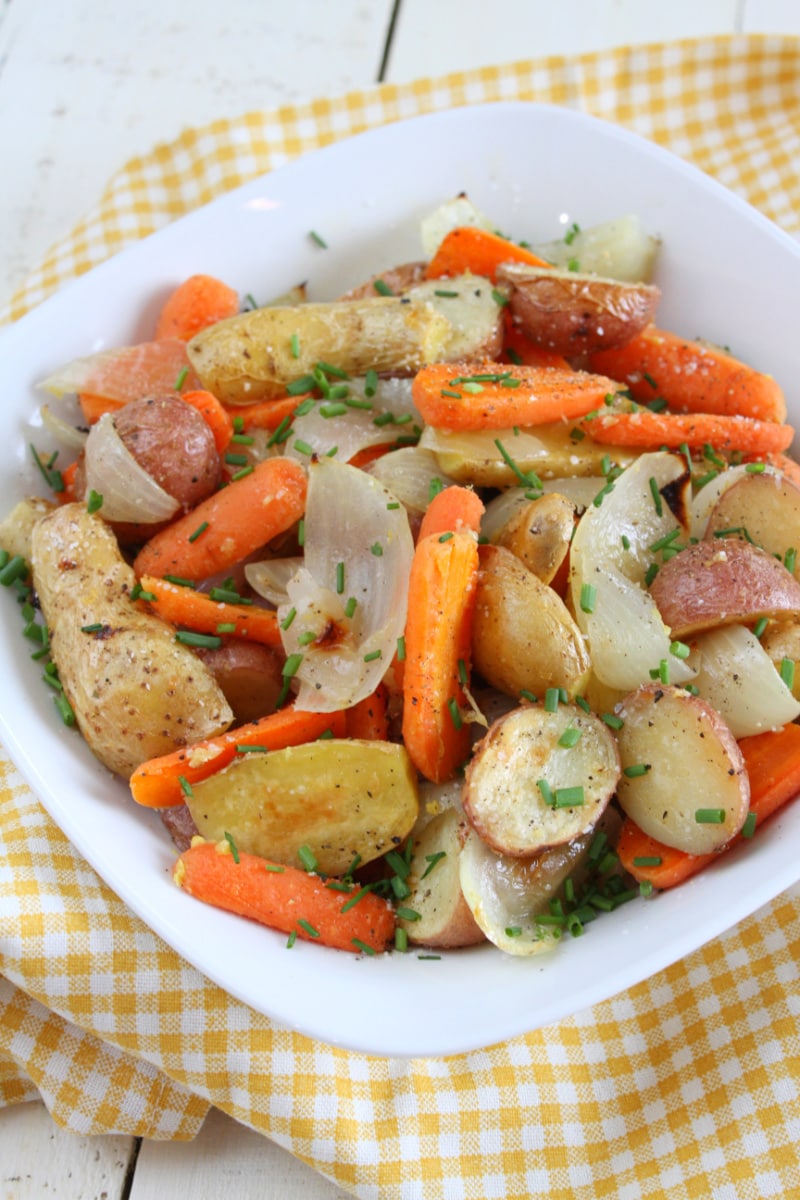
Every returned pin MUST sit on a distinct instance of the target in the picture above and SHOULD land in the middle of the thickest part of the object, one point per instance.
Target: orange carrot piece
(442, 590)
(93, 407)
(539, 395)
(650, 430)
(369, 454)
(216, 416)
(198, 302)
(238, 520)
(469, 248)
(691, 377)
(197, 611)
(157, 782)
(368, 720)
(773, 767)
(68, 477)
(453, 510)
(519, 349)
(285, 898)
(269, 414)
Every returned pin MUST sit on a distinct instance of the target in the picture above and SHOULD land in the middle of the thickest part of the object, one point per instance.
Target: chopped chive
(15, 568)
(373, 655)
(94, 502)
(679, 649)
(432, 860)
(232, 844)
(648, 860)
(294, 343)
(455, 714)
(287, 620)
(236, 460)
(525, 694)
(790, 559)
(198, 532)
(749, 827)
(569, 236)
(308, 928)
(445, 294)
(570, 737)
(359, 945)
(179, 581)
(710, 816)
(291, 666)
(305, 383)
(332, 410)
(305, 639)
(756, 468)
(292, 938)
(242, 473)
(760, 626)
(650, 573)
(787, 672)
(280, 433)
(445, 537)
(656, 494)
(340, 577)
(308, 858)
(301, 532)
(354, 402)
(377, 549)
(569, 797)
(359, 895)
(398, 864)
(250, 749)
(317, 240)
(513, 931)
(645, 887)
(551, 698)
(95, 628)
(626, 542)
(612, 720)
(588, 597)
(181, 380)
(401, 649)
(527, 479)
(186, 787)
(401, 939)
(274, 868)
(226, 595)
(408, 914)
(370, 383)
(546, 792)
(382, 287)
(447, 392)
(205, 641)
(350, 607)
(303, 447)
(635, 770)
(65, 709)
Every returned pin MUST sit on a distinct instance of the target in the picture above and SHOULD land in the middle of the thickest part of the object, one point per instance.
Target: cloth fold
(687, 1083)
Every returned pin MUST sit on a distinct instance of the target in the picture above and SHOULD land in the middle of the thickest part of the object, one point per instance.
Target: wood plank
(84, 86)
(37, 1158)
(227, 1159)
(461, 34)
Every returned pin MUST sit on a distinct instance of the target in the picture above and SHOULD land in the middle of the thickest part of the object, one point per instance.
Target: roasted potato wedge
(250, 357)
(547, 450)
(576, 314)
(523, 637)
(396, 281)
(16, 529)
(684, 780)
(338, 797)
(540, 779)
(136, 692)
(445, 918)
(539, 534)
(468, 303)
(763, 508)
(723, 582)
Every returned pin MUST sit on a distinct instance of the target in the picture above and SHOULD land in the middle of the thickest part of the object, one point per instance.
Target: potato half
(445, 918)
(540, 778)
(338, 797)
(576, 314)
(684, 780)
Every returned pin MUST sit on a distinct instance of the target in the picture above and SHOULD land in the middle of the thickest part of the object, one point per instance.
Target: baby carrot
(651, 430)
(368, 720)
(230, 524)
(285, 898)
(93, 406)
(470, 248)
(491, 395)
(216, 416)
(691, 376)
(773, 767)
(199, 611)
(442, 589)
(453, 510)
(270, 414)
(519, 349)
(198, 302)
(160, 782)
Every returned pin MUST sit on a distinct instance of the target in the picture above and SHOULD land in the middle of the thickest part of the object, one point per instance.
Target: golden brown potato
(684, 780)
(250, 357)
(781, 640)
(764, 508)
(16, 529)
(723, 582)
(338, 797)
(523, 638)
(445, 918)
(136, 692)
(575, 314)
(540, 778)
(539, 534)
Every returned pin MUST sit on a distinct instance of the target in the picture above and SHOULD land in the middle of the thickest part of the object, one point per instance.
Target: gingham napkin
(686, 1085)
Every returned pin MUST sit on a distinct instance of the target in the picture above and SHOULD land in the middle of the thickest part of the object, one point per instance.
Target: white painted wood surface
(86, 84)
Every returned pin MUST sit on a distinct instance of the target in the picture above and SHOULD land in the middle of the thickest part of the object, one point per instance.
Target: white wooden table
(86, 84)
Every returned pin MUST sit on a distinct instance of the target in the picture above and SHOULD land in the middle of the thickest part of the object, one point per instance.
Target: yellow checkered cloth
(687, 1085)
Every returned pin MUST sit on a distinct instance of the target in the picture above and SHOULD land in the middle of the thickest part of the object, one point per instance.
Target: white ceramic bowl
(726, 273)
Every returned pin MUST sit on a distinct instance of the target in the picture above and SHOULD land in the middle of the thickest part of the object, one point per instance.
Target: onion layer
(129, 493)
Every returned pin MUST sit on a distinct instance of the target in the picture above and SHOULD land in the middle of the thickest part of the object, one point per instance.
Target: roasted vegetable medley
(462, 606)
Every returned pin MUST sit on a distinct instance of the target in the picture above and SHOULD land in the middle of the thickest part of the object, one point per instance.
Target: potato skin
(398, 279)
(136, 692)
(523, 636)
(575, 314)
(723, 582)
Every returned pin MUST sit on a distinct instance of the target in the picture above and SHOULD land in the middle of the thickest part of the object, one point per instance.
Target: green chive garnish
(205, 641)
(710, 816)
(232, 844)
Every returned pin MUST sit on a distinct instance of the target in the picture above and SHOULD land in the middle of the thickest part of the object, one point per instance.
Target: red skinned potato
(723, 582)
(249, 676)
(397, 280)
(762, 507)
(684, 780)
(575, 314)
(539, 778)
